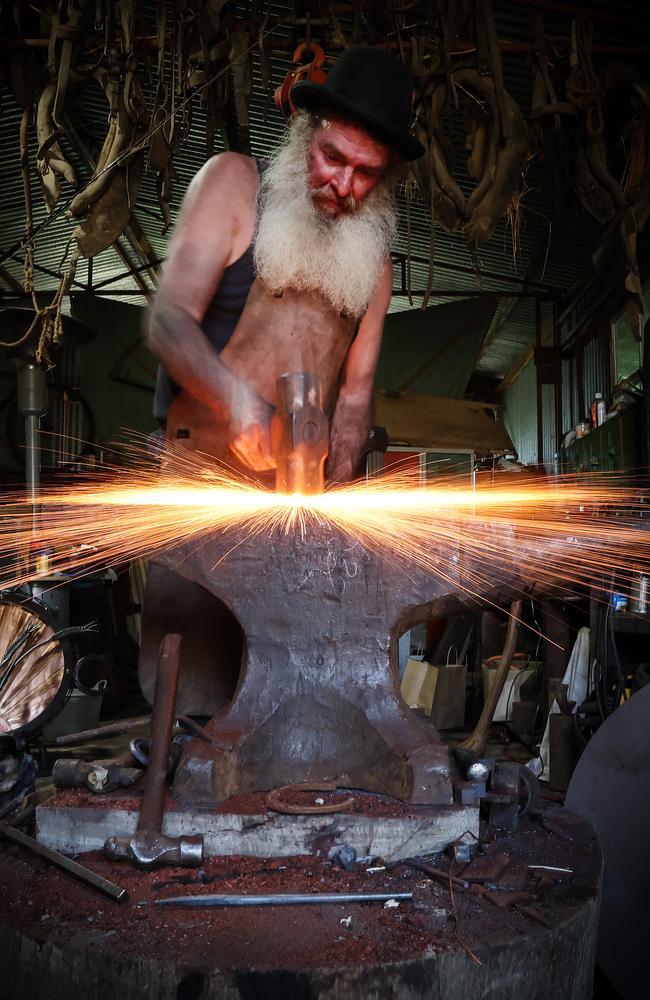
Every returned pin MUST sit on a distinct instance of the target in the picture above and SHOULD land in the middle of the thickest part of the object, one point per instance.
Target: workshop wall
(520, 410)
(117, 372)
(111, 382)
(520, 414)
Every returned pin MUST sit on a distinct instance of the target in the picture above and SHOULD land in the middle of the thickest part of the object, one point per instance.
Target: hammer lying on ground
(98, 776)
(149, 846)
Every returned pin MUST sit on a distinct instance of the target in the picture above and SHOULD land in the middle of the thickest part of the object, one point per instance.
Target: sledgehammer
(149, 846)
(300, 434)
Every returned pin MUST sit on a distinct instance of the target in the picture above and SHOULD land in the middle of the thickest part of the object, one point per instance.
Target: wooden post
(476, 742)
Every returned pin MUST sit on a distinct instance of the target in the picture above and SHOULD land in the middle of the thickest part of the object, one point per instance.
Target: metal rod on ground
(9, 807)
(112, 729)
(193, 727)
(291, 899)
(85, 874)
(476, 742)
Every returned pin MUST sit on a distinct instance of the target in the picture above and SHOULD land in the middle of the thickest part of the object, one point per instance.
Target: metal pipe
(289, 899)
(85, 874)
(162, 723)
(32, 404)
(111, 729)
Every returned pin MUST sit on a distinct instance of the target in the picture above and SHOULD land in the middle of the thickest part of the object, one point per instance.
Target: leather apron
(290, 331)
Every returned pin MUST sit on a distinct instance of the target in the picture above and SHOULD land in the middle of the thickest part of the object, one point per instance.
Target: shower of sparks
(555, 534)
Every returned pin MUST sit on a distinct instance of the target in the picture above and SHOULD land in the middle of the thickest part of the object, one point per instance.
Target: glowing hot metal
(322, 586)
(560, 533)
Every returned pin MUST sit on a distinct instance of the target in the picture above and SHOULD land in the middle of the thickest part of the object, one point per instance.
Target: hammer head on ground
(150, 849)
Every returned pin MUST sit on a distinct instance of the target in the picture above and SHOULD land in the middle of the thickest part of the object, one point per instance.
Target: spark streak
(555, 533)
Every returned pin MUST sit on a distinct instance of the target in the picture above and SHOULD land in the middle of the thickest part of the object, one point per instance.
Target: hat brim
(318, 96)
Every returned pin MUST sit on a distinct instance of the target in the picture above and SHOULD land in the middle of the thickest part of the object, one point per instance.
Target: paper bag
(448, 706)
(419, 684)
(437, 690)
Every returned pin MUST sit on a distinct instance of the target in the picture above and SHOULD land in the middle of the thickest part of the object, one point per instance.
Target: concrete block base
(76, 822)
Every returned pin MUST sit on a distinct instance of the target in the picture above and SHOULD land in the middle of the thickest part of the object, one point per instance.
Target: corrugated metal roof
(553, 254)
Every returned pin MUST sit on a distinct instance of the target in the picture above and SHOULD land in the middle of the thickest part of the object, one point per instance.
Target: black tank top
(219, 322)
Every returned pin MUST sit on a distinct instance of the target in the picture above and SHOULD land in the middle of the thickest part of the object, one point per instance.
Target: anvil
(318, 698)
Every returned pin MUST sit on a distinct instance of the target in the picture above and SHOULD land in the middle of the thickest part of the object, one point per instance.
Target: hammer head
(300, 434)
(151, 849)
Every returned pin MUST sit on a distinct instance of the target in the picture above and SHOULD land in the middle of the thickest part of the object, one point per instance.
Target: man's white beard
(294, 246)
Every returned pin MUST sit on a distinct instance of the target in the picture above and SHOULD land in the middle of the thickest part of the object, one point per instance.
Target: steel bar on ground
(290, 899)
(115, 892)
(112, 729)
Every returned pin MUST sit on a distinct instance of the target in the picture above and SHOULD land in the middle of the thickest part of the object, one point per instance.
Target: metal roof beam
(515, 371)
(596, 14)
(11, 282)
(132, 272)
(472, 293)
(47, 270)
(512, 279)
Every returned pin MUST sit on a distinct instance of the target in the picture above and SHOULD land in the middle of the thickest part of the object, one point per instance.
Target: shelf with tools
(612, 447)
(631, 622)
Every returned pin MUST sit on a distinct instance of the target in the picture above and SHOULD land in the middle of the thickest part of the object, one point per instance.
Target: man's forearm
(188, 357)
(349, 429)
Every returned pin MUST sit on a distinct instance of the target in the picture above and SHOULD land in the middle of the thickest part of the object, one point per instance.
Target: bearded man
(285, 266)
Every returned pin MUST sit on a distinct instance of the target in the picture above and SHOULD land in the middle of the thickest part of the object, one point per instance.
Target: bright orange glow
(551, 533)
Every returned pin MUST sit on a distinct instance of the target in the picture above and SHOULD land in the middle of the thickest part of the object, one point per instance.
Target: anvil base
(75, 822)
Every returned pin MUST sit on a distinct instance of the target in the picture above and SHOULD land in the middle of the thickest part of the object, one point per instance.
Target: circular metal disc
(610, 788)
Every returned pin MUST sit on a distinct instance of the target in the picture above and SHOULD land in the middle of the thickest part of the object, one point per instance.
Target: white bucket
(81, 711)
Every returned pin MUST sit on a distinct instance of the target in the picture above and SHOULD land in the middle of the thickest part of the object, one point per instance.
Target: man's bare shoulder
(218, 211)
(226, 175)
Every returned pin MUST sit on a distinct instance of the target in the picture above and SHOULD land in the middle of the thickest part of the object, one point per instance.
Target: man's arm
(352, 414)
(214, 227)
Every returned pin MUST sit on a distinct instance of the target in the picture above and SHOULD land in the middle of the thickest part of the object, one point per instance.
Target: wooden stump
(60, 940)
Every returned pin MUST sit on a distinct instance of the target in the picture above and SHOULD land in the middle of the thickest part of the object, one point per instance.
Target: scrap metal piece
(458, 851)
(85, 874)
(486, 867)
(140, 748)
(275, 803)
(503, 797)
(111, 729)
(347, 857)
(469, 793)
(289, 899)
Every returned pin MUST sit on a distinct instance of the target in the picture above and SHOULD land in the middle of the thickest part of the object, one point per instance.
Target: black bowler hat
(371, 86)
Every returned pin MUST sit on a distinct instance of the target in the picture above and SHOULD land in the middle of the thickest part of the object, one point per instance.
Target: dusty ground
(47, 903)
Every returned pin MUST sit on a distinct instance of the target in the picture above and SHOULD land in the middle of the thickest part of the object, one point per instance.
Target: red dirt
(250, 804)
(47, 903)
